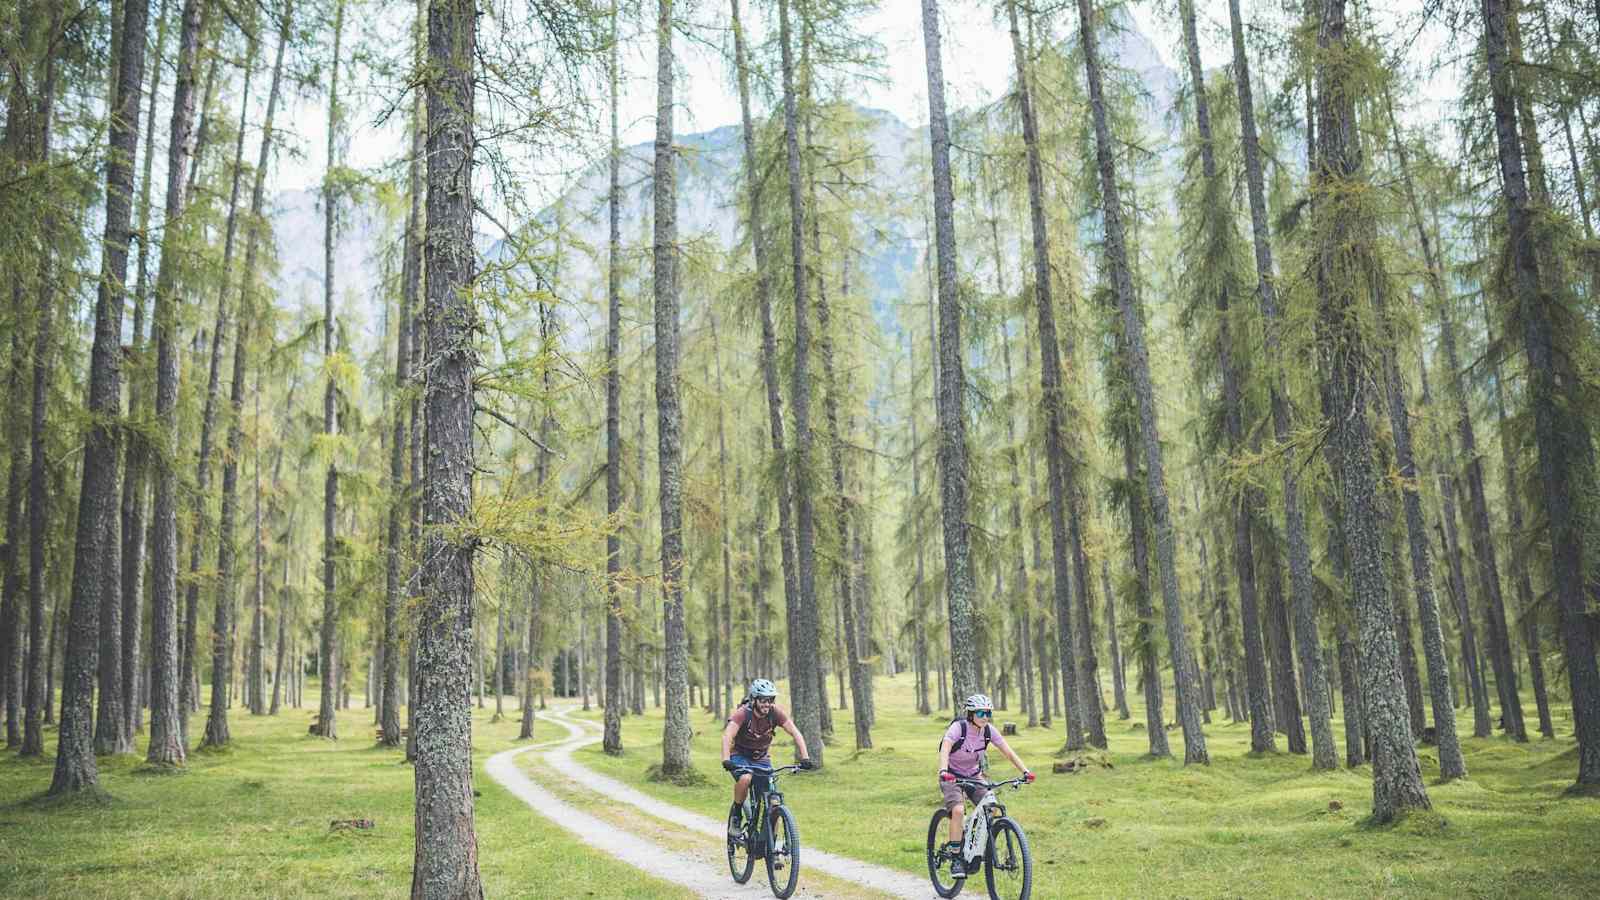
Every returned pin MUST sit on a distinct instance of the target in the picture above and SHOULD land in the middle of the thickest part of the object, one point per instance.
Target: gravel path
(661, 862)
(868, 875)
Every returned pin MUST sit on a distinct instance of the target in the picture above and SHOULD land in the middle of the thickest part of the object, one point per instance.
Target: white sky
(977, 66)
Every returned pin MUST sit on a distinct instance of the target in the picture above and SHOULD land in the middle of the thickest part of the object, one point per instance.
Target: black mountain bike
(769, 833)
(1007, 864)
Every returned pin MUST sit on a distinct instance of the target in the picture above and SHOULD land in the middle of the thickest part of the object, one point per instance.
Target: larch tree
(1324, 752)
(1562, 434)
(805, 668)
(1053, 399)
(1347, 270)
(676, 731)
(1121, 278)
(614, 684)
(94, 625)
(445, 865)
(960, 590)
(167, 745)
(330, 665)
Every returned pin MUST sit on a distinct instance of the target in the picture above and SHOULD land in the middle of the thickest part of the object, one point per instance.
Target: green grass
(1258, 826)
(253, 821)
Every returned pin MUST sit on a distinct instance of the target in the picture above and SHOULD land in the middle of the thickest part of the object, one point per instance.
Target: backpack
(983, 755)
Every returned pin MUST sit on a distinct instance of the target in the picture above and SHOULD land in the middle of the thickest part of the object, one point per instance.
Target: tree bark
(805, 670)
(1121, 276)
(612, 742)
(167, 715)
(326, 726)
(676, 732)
(1566, 449)
(446, 858)
(960, 593)
(1345, 263)
(97, 567)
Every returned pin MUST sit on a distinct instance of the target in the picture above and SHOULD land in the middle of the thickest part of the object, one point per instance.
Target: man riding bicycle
(963, 741)
(747, 739)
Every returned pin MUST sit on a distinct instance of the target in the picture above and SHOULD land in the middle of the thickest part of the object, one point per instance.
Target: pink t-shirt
(964, 753)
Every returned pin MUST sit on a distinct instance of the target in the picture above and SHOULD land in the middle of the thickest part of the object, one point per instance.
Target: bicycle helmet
(762, 688)
(977, 702)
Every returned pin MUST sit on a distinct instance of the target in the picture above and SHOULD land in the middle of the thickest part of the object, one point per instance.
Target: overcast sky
(977, 65)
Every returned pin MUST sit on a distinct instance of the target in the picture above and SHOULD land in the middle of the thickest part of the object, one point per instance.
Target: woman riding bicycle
(747, 739)
(958, 758)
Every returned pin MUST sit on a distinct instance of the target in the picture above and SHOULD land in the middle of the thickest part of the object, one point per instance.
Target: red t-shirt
(754, 736)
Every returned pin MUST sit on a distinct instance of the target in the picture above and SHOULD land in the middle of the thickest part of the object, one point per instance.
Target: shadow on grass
(157, 770)
(87, 798)
(688, 778)
(1415, 823)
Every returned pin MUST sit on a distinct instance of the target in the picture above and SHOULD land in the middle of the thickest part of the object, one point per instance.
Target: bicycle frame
(975, 831)
(758, 824)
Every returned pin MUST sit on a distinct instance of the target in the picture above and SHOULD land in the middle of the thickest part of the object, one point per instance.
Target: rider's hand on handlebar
(730, 765)
(1027, 776)
(946, 775)
(807, 764)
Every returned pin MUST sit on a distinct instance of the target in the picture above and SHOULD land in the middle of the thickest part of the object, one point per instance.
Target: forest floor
(254, 821)
(1251, 826)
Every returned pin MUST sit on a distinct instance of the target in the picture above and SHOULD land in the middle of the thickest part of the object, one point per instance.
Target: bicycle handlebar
(746, 770)
(992, 785)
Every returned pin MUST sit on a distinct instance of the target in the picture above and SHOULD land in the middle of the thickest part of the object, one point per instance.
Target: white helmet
(762, 688)
(977, 702)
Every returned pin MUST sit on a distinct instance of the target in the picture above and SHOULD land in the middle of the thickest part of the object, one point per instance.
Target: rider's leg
(956, 811)
(741, 788)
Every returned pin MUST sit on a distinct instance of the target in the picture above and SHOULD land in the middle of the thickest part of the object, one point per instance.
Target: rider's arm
(945, 747)
(799, 739)
(728, 735)
(1010, 754)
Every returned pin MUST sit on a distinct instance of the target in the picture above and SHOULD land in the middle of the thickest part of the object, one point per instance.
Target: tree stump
(1008, 729)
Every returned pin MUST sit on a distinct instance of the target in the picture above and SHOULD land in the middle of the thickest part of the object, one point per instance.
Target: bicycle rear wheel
(1008, 867)
(783, 853)
(944, 884)
(740, 860)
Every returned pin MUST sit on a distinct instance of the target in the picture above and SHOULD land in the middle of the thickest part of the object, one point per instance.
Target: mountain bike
(990, 836)
(769, 833)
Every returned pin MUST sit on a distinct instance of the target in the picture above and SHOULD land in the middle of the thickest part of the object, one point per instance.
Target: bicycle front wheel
(944, 884)
(1009, 866)
(783, 853)
(740, 860)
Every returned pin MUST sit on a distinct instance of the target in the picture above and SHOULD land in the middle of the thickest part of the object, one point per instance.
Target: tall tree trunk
(1566, 449)
(675, 762)
(1020, 591)
(845, 633)
(1324, 753)
(960, 593)
(614, 684)
(97, 568)
(918, 581)
(326, 725)
(769, 353)
(1119, 678)
(135, 483)
(1346, 266)
(1451, 762)
(1527, 610)
(1121, 276)
(41, 690)
(446, 860)
(1155, 722)
(805, 670)
(223, 623)
(167, 715)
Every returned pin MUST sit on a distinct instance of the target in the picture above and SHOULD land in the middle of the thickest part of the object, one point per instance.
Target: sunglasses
(983, 714)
